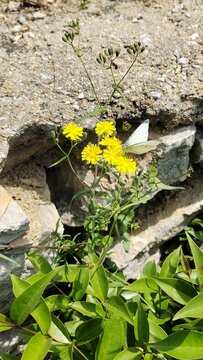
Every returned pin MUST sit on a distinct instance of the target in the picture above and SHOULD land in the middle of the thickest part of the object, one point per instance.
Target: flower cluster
(113, 153)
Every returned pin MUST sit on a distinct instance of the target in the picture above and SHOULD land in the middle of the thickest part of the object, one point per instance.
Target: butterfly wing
(140, 135)
(142, 148)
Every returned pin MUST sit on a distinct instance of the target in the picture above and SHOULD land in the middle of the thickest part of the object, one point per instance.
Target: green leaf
(111, 340)
(148, 357)
(149, 269)
(88, 309)
(163, 186)
(193, 309)
(28, 335)
(90, 330)
(116, 306)
(37, 347)
(3, 326)
(144, 285)
(42, 315)
(197, 221)
(33, 278)
(28, 299)
(41, 312)
(141, 327)
(58, 331)
(98, 279)
(8, 356)
(183, 345)
(58, 161)
(63, 352)
(191, 325)
(130, 353)
(161, 318)
(82, 192)
(92, 113)
(192, 279)
(177, 289)
(72, 326)
(39, 262)
(170, 264)
(57, 302)
(8, 259)
(198, 259)
(67, 273)
(80, 284)
(156, 333)
(18, 284)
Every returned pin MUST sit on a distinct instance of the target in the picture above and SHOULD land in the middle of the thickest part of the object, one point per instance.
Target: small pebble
(155, 94)
(81, 96)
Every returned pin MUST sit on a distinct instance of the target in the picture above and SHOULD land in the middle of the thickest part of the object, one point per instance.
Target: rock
(183, 61)
(13, 6)
(196, 154)
(159, 222)
(155, 94)
(174, 154)
(6, 268)
(81, 96)
(13, 221)
(37, 15)
(27, 184)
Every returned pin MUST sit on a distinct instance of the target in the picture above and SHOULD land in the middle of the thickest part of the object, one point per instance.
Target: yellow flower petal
(111, 155)
(72, 131)
(105, 127)
(91, 153)
(111, 142)
(125, 165)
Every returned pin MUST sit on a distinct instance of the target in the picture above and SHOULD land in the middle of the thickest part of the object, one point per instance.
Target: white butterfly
(137, 142)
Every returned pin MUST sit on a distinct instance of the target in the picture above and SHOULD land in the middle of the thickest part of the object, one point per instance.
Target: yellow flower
(125, 165)
(72, 131)
(111, 142)
(91, 153)
(111, 155)
(105, 127)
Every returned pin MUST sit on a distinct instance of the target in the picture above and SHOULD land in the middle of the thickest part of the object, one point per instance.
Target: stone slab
(160, 220)
(13, 221)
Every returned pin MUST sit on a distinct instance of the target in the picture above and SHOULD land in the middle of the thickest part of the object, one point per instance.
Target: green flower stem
(120, 81)
(70, 164)
(112, 73)
(86, 72)
(80, 352)
(61, 291)
(17, 326)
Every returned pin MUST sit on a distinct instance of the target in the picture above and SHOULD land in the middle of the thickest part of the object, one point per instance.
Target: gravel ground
(43, 83)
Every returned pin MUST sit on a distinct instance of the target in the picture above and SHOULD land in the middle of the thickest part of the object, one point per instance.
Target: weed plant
(97, 314)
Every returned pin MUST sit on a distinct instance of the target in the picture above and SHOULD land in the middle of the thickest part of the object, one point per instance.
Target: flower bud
(53, 135)
(64, 39)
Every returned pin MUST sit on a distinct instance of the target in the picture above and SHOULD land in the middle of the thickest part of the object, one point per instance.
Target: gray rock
(13, 6)
(174, 154)
(13, 221)
(37, 15)
(155, 94)
(183, 61)
(160, 221)
(27, 182)
(196, 154)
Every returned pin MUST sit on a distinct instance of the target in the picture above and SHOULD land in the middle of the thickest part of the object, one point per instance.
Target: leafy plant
(100, 315)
